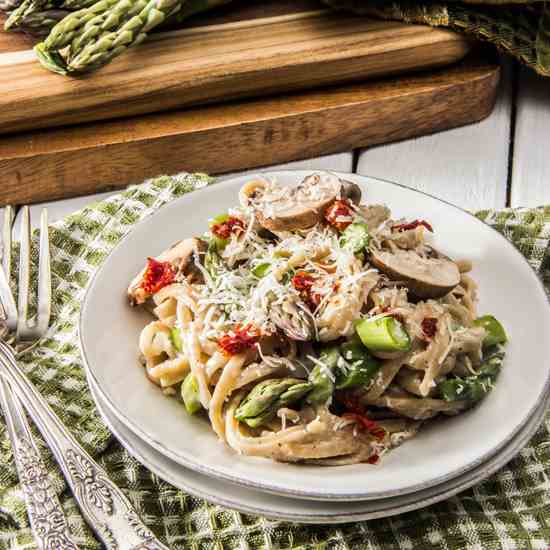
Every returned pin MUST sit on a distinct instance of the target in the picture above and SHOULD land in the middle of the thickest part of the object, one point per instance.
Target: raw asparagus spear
(91, 37)
(97, 34)
(40, 15)
(24, 9)
(266, 398)
(41, 22)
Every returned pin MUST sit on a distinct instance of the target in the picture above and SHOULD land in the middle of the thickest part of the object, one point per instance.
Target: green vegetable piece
(261, 270)
(216, 242)
(175, 337)
(383, 334)
(476, 387)
(356, 237)
(190, 394)
(356, 366)
(322, 378)
(212, 260)
(218, 219)
(267, 397)
(495, 331)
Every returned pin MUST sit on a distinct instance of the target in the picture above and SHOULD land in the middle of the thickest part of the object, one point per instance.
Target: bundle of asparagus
(83, 35)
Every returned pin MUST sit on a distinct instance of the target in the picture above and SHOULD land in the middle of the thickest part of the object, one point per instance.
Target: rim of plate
(187, 459)
(456, 485)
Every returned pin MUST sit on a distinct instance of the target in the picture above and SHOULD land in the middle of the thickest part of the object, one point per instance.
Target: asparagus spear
(39, 16)
(356, 237)
(175, 337)
(476, 387)
(92, 37)
(383, 334)
(41, 22)
(322, 377)
(357, 366)
(495, 333)
(190, 394)
(23, 10)
(267, 397)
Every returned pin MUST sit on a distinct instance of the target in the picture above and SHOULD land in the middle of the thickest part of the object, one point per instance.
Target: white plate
(509, 289)
(251, 501)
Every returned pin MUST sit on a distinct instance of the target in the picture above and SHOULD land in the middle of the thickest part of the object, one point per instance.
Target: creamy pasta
(309, 327)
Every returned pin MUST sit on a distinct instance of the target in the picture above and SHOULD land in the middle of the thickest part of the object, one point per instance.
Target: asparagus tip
(48, 60)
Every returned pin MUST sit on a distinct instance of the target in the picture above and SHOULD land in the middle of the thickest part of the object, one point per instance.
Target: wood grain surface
(50, 164)
(258, 54)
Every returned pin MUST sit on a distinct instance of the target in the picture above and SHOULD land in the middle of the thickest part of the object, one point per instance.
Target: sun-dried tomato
(225, 229)
(429, 326)
(303, 282)
(373, 459)
(370, 425)
(412, 225)
(157, 275)
(239, 339)
(339, 214)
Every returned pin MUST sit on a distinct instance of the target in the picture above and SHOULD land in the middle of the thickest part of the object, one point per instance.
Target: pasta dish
(310, 327)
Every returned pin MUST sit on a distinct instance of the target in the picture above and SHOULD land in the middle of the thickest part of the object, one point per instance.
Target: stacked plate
(446, 457)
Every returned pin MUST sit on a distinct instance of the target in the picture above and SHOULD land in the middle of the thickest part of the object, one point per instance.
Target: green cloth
(520, 28)
(511, 509)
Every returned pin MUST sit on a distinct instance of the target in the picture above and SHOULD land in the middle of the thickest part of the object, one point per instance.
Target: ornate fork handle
(102, 503)
(47, 519)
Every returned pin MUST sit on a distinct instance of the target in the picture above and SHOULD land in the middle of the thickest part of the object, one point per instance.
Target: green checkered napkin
(509, 510)
(518, 27)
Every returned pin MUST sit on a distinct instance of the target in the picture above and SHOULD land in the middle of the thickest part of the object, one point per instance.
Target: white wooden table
(501, 161)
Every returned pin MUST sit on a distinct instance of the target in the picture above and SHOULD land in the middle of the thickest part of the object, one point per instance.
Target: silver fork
(46, 516)
(103, 505)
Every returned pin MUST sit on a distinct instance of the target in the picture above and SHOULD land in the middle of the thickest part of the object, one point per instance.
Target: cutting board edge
(33, 177)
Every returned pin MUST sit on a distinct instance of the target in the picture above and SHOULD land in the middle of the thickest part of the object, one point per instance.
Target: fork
(104, 506)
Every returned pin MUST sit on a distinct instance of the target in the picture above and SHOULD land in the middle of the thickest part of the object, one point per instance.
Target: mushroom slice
(299, 207)
(374, 215)
(351, 191)
(425, 277)
(183, 256)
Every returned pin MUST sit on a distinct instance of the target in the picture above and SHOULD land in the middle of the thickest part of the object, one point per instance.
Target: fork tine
(6, 295)
(44, 278)
(24, 275)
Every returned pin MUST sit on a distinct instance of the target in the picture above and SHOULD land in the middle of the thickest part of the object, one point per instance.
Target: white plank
(58, 209)
(531, 166)
(466, 166)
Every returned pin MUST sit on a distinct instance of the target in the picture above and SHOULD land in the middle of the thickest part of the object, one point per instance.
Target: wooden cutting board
(244, 50)
(56, 163)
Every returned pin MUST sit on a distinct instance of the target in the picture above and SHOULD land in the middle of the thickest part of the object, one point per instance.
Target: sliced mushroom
(351, 191)
(425, 277)
(183, 255)
(374, 215)
(300, 207)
